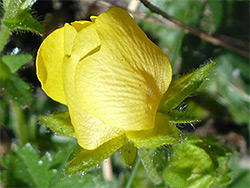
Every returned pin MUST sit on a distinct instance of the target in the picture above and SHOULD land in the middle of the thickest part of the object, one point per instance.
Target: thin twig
(200, 33)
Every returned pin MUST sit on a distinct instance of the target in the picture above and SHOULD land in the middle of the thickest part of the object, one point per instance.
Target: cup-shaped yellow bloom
(109, 74)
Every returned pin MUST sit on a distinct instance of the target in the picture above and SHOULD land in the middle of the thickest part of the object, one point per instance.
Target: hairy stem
(17, 122)
(132, 175)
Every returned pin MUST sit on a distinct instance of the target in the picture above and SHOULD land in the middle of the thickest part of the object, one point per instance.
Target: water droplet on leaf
(15, 51)
(49, 157)
(40, 162)
(98, 166)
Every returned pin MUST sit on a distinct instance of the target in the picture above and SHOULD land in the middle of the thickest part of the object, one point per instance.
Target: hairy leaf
(14, 62)
(59, 122)
(24, 21)
(17, 90)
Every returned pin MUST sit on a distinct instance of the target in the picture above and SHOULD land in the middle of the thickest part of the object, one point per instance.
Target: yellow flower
(111, 77)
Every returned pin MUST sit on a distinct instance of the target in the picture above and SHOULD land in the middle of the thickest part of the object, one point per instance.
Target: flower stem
(131, 178)
(4, 36)
(17, 122)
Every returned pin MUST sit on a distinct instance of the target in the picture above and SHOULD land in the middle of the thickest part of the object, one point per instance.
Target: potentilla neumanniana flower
(110, 76)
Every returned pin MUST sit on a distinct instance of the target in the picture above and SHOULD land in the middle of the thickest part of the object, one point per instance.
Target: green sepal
(128, 153)
(82, 159)
(14, 62)
(163, 133)
(17, 90)
(180, 116)
(23, 21)
(59, 122)
(184, 86)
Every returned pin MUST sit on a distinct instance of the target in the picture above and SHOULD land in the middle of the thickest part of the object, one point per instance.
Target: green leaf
(212, 16)
(78, 180)
(128, 153)
(7, 175)
(182, 87)
(14, 62)
(155, 161)
(160, 157)
(37, 168)
(186, 11)
(198, 163)
(4, 71)
(11, 7)
(180, 116)
(189, 166)
(4, 118)
(229, 88)
(17, 90)
(82, 159)
(149, 166)
(25, 168)
(240, 175)
(163, 133)
(27, 4)
(220, 156)
(59, 122)
(23, 21)
(223, 177)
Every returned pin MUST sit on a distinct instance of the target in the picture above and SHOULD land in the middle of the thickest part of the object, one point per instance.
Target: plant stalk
(17, 122)
(131, 178)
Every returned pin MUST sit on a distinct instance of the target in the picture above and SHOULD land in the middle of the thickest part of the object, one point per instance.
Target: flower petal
(163, 133)
(69, 37)
(79, 25)
(123, 83)
(49, 65)
(90, 131)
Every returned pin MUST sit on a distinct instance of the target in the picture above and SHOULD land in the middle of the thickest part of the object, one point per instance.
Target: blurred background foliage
(35, 157)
